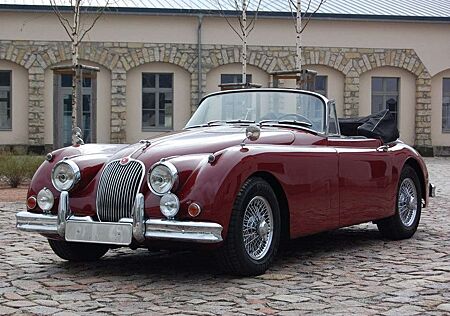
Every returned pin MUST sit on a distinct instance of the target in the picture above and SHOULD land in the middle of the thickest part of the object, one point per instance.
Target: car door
(366, 189)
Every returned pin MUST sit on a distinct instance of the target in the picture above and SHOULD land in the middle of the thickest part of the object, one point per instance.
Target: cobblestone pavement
(348, 271)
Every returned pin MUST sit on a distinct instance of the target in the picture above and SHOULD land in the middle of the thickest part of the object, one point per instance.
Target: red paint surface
(328, 183)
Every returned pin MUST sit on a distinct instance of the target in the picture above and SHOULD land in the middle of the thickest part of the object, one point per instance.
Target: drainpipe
(199, 54)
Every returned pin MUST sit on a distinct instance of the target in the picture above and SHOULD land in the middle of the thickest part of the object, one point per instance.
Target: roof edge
(195, 12)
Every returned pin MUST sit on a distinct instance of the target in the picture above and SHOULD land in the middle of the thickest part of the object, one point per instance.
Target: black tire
(233, 256)
(77, 252)
(393, 227)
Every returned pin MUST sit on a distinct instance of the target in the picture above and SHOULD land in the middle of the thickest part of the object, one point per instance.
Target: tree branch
(228, 21)
(99, 14)
(309, 17)
(62, 19)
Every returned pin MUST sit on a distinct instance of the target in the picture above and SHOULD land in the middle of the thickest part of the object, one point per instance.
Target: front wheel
(403, 224)
(78, 252)
(254, 231)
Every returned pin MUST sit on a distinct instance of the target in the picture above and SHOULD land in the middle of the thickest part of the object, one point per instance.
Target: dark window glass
(165, 80)
(148, 80)
(66, 80)
(5, 100)
(5, 78)
(385, 94)
(234, 78)
(321, 85)
(157, 101)
(377, 84)
(148, 101)
(87, 82)
(446, 104)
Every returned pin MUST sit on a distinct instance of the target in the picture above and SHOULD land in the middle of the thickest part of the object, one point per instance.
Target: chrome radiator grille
(117, 189)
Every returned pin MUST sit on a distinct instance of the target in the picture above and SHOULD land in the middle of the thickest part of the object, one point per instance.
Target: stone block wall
(120, 57)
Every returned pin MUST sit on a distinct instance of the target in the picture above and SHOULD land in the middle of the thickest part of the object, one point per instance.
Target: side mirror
(77, 136)
(252, 133)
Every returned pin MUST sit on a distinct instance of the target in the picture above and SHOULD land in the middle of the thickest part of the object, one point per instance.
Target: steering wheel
(296, 117)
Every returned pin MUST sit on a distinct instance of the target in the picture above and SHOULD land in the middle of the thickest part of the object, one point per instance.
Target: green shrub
(14, 169)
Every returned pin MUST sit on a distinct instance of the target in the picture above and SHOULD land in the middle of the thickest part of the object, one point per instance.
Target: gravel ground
(347, 271)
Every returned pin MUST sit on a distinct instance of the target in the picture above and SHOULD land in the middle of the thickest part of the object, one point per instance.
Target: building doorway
(86, 112)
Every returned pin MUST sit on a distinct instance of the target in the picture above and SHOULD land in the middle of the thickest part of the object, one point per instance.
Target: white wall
(407, 98)
(430, 40)
(213, 76)
(181, 98)
(103, 104)
(19, 105)
(438, 137)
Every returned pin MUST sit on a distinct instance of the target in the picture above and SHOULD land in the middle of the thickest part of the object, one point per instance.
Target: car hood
(201, 140)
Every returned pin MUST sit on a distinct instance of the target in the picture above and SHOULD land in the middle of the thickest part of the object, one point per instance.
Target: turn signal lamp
(31, 202)
(194, 210)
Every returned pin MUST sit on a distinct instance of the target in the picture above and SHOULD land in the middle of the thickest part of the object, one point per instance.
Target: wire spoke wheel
(257, 227)
(407, 202)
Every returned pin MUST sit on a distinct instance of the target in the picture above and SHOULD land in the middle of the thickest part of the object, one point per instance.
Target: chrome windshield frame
(325, 101)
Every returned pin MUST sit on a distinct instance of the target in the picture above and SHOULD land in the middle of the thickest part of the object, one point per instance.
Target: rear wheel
(74, 251)
(403, 224)
(254, 231)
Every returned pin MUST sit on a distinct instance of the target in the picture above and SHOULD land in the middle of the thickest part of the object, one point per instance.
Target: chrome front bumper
(142, 229)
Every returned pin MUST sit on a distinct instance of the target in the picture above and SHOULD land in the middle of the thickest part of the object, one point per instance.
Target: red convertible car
(251, 168)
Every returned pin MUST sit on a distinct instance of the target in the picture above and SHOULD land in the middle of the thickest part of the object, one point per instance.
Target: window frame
(326, 85)
(157, 90)
(385, 93)
(445, 129)
(249, 78)
(9, 100)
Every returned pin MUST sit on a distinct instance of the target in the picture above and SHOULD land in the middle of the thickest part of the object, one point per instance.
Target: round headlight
(65, 175)
(169, 205)
(162, 178)
(45, 199)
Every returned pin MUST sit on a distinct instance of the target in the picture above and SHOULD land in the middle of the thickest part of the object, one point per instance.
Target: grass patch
(15, 169)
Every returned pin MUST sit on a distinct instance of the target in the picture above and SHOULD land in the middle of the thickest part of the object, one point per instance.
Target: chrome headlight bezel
(75, 179)
(171, 171)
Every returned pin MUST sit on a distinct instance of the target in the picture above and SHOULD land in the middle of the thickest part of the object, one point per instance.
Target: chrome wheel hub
(407, 202)
(257, 227)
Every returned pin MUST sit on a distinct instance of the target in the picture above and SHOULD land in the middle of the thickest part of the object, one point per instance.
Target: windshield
(247, 106)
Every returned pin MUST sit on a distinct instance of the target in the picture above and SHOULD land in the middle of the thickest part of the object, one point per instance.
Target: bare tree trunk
(244, 41)
(75, 67)
(298, 55)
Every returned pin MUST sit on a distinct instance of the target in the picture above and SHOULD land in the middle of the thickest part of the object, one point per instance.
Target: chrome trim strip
(432, 190)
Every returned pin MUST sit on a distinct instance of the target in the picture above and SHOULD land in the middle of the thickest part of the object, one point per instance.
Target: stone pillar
(423, 115)
(351, 94)
(36, 108)
(118, 106)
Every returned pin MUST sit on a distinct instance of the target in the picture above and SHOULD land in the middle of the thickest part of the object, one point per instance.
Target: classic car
(252, 168)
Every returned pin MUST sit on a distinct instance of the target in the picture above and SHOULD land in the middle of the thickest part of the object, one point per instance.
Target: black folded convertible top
(381, 125)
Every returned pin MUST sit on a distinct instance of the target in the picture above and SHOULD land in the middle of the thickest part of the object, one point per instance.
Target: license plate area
(99, 232)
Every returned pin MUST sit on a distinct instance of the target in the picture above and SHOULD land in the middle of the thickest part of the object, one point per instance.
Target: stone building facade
(120, 57)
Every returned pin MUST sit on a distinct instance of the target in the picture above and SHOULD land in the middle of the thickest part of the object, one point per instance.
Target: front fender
(215, 184)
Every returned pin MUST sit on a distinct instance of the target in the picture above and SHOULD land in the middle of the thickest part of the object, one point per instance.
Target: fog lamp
(169, 205)
(45, 199)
